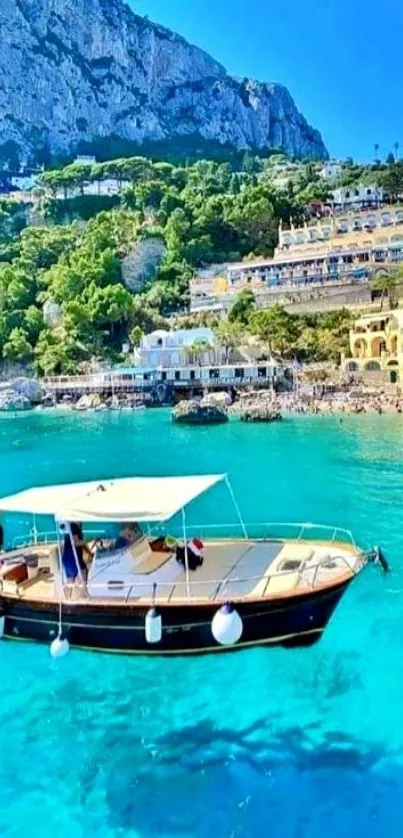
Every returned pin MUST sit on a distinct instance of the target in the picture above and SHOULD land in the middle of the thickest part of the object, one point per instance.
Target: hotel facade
(376, 347)
(351, 247)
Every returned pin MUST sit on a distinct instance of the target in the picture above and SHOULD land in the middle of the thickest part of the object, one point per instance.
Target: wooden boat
(160, 596)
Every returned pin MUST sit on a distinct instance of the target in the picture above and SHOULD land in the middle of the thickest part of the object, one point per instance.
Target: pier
(159, 386)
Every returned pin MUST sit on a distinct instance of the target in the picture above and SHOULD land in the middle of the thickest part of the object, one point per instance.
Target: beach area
(348, 403)
(351, 401)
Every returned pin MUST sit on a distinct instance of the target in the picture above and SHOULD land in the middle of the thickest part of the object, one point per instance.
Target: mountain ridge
(97, 69)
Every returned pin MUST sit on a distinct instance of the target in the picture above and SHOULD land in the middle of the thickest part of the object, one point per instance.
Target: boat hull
(186, 629)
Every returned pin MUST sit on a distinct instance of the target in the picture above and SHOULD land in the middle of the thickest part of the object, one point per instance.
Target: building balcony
(367, 334)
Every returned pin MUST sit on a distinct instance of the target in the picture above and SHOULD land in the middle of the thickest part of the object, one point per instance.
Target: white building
(357, 197)
(171, 349)
(24, 181)
(330, 170)
(85, 160)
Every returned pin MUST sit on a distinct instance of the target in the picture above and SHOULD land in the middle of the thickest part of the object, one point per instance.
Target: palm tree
(228, 336)
(396, 147)
(376, 149)
(196, 351)
(387, 283)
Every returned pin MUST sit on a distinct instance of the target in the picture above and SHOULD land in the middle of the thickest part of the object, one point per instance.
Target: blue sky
(340, 59)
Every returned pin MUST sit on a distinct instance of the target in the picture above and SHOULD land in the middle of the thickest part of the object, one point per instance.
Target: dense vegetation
(204, 213)
(301, 337)
(68, 259)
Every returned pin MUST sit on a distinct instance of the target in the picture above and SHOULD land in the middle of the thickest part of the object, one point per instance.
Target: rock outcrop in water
(75, 70)
(19, 394)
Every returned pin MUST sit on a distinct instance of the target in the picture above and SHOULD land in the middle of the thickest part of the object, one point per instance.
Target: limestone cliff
(72, 70)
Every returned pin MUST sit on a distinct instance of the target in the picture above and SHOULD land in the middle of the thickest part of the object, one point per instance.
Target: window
(347, 194)
(177, 375)
(145, 376)
(192, 375)
(163, 376)
(357, 193)
(214, 374)
(262, 372)
(239, 372)
(159, 342)
(369, 191)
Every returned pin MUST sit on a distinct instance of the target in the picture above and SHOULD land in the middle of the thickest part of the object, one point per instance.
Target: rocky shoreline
(22, 394)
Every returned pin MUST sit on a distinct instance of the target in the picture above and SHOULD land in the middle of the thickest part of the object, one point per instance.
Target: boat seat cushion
(296, 552)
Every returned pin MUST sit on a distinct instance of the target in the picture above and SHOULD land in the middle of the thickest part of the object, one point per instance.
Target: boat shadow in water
(199, 777)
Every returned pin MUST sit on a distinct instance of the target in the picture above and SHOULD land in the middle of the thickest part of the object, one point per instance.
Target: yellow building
(376, 346)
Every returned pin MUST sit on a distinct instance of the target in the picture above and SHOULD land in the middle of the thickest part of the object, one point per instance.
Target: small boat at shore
(188, 592)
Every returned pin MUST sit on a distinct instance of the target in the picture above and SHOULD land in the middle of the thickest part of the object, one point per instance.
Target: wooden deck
(238, 570)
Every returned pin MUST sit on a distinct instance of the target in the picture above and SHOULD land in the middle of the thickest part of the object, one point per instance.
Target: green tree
(276, 328)
(55, 353)
(387, 284)
(176, 233)
(33, 323)
(136, 335)
(17, 347)
(228, 335)
(197, 351)
(242, 307)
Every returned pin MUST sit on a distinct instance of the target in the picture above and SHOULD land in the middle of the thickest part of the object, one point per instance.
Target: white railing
(302, 530)
(267, 532)
(222, 590)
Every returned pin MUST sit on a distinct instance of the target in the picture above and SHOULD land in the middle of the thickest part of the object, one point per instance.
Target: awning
(139, 499)
(45, 500)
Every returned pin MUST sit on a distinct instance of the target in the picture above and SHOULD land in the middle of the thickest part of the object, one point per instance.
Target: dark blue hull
(297, 620)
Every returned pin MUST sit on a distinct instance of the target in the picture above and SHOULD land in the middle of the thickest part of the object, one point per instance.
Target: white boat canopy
(150, 499)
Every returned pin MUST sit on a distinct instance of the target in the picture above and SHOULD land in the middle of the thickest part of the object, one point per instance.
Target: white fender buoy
(59, 647)
(226, 625)
(153, 626)
(2, 625)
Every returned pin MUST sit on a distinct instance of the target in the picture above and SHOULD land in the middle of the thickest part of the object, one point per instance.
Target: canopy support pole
(60, 558)
(237, 509)
(186, 552)
(34, 529)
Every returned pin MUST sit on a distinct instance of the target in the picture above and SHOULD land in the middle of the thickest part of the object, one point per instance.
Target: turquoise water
(294, 743)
